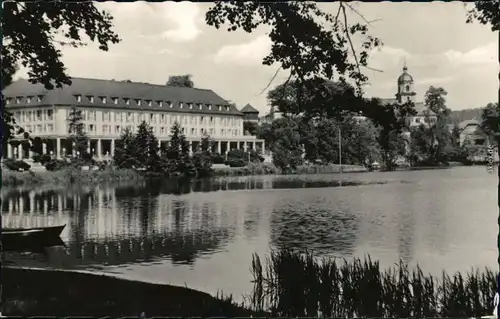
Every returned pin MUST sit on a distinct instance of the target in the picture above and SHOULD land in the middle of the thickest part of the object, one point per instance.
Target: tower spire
(404, 66)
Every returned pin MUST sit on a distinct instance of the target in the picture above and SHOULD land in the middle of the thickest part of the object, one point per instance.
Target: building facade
(110, 107)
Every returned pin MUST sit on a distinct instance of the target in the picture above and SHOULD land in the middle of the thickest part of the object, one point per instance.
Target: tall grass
(293, 285)
(67, 176)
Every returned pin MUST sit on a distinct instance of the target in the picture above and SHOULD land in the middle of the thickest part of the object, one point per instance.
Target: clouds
(246, 53)
(184, 16)
(168, 38)
(487, 54)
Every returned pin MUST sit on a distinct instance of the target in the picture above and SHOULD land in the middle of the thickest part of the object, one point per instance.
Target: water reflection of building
(103, 228)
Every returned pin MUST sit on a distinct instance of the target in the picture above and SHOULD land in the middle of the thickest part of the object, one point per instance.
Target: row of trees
(142, 150)
(308, 133)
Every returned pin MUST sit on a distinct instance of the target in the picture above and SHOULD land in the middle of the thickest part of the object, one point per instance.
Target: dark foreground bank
(30, 292)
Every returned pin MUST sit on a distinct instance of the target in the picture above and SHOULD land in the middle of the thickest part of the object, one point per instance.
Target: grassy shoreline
(26, 293)
(286, 284)
(69, 176)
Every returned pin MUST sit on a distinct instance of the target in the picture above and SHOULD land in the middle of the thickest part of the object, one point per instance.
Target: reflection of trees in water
(325, 231)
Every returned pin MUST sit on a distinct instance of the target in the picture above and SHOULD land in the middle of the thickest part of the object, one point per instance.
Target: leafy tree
(250, 127)
(305, 40)
(202, 158)
(77, 137)
(178, 152)
(126, 154)
(491, 120)
(147, 148)
(142, 142)
(392, 146)
(287, 144)
(180, 80)
(486, 12)
(28, 30)
(153, 160)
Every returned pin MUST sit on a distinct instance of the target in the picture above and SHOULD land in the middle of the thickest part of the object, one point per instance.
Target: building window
(227, 108)
(91, 99)
(115, 100)
(28, 99)
(49, 115)
(160, 103)
(117, 129)
(78, 98)
(170, 104)
(138, 102)
(219, 107)
(200, 106)
(103, 99)
(209, 107)
(39, 98)
(150, 103)
(193, 131)
(127, 101)
(407, 88)
(130, 117)
(162, 130)
(152, 118)
(190, 105)
(38, 115)
(181, 105)
(39, 128)
(8, 100)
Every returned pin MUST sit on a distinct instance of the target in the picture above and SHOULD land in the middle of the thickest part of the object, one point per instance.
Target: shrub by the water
(290, 284)
(15, 165)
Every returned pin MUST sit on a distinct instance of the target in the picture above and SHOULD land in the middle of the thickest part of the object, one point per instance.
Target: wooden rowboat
(31, 238)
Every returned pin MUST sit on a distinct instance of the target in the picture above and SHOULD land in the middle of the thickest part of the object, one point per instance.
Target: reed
(291, 284)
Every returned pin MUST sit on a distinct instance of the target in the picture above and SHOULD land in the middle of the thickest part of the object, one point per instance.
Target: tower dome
(405, 77)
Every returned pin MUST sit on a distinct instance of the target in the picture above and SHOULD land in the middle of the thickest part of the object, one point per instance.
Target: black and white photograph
(250, 159)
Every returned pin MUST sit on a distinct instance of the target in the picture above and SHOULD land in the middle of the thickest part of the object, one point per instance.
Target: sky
(172, 38)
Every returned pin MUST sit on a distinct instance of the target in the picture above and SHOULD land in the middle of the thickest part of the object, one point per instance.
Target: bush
(236, 154)
(218, 158)
(55, 165)
(36, 158)
(45, 158)
(236, 163)
(15, 165)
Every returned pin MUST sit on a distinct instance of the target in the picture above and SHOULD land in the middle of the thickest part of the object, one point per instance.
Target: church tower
(405, 87)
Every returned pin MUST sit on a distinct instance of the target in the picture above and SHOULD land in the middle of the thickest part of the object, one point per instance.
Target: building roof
(419, 106)
(466, 123)
(248, 109)
(405, 77)
(123, 91)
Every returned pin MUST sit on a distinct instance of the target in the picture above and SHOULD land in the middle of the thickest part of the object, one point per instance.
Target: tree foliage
(125, 155)
(32, 35)
(77, 138)
(180, 80)
(305, 40)
(486, 12)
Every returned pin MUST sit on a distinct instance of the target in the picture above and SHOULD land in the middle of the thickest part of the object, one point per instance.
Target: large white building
(109, 107)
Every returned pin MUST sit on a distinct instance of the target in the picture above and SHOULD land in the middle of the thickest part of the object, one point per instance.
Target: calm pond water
(203, 235)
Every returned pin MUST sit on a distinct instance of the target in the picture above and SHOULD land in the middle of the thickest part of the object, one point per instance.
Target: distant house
(270, 117)
(250, 114)
(472, 131)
